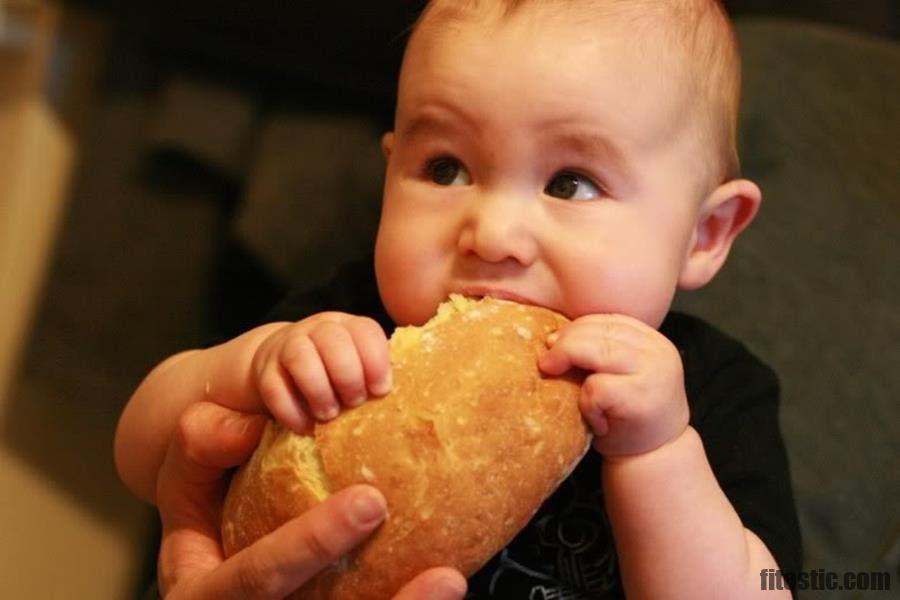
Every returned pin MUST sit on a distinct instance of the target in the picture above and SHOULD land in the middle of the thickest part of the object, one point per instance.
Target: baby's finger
(599, 397)
(300, 357)
(279, 563)
(594, 347)
(282, 397)
(371, 343)
(341, 359)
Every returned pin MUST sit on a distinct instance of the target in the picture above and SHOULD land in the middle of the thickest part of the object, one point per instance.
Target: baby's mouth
(479, 292)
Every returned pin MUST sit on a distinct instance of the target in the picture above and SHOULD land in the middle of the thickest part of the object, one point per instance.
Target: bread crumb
(523, 332)
(532, 425)
(367, 473)
(473, 315)
(357, 431)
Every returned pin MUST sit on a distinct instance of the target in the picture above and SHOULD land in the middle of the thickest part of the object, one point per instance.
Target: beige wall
(51, 545)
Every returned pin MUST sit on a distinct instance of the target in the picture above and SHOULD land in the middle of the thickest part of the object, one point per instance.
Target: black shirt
(566, 551)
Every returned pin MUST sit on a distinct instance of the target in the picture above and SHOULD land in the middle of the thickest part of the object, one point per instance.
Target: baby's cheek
(404, 287)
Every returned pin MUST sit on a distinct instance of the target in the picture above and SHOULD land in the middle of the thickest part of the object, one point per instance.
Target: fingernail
(384, 386)
(329, 413)
(542, 360)
(449, 588)
(367, 508)
(238, 425)
(358, 400)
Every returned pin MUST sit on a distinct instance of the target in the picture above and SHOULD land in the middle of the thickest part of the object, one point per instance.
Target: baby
(578, 155)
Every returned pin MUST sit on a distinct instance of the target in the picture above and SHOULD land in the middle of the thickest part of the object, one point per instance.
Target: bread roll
(465, 448)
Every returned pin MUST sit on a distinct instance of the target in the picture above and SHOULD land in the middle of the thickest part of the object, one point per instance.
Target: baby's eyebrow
(429, 123)
(589, 143)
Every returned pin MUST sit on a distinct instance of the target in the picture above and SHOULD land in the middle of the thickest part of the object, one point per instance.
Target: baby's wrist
(228, 379)
(679, 442)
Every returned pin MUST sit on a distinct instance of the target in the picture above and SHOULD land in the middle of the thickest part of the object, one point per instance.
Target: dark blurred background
(224, 152)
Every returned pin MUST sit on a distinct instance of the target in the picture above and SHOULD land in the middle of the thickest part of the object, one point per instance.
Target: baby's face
(542, 160)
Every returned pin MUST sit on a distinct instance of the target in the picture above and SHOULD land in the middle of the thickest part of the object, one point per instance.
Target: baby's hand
(634, 398)
(317, 364)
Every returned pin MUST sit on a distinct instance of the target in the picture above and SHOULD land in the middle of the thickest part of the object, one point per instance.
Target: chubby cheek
(617, 276)
(410, 264)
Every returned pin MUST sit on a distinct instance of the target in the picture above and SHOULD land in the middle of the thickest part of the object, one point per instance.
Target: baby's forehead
(685, 31)
(690, 43)
(667, 32)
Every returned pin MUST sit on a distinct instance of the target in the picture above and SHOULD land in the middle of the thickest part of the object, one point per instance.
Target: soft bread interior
(410, 336)
(301, 452)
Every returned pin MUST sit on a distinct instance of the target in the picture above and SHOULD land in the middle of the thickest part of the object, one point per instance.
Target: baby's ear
(727, 211)
(387, 144)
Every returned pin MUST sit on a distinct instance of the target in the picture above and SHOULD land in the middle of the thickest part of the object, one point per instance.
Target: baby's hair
(700, 29)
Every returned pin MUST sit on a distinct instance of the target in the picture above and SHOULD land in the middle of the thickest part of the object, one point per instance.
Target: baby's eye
(572, 186)
(448, 171)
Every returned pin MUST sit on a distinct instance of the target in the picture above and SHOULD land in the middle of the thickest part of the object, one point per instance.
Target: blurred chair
(812, 286)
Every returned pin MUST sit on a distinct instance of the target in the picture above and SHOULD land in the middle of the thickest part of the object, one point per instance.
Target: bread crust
(468, 444)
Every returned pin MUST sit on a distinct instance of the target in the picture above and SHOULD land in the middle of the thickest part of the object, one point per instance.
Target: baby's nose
(499, 227)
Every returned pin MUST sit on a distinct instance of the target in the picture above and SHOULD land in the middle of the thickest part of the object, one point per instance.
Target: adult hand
(212, 439)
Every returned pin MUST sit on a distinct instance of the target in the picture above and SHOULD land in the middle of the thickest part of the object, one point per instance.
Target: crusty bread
(465, 448)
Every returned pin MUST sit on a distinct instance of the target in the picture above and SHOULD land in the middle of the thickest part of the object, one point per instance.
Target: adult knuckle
(320, 546)
(256, 578)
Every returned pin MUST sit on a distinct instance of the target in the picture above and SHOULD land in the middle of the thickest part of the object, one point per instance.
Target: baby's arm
(677, 533)
(290, 370)
(220, 374)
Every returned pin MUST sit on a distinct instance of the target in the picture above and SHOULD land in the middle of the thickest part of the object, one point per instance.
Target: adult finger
(279, 563)
(435, 584)
(209, 440)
